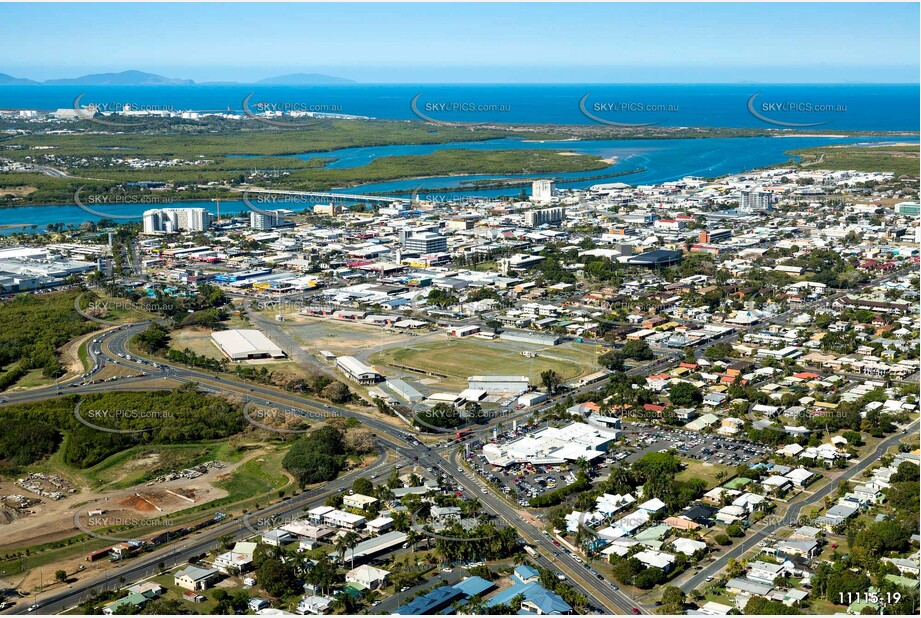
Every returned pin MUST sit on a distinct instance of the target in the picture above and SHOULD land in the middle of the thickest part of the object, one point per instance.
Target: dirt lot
(53, 520)
(339, 337)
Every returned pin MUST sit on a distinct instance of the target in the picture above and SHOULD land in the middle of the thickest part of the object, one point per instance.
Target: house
(776, 483)
(134, 600)
(368, 576)
(232, 562)
(277, 537)
(195, 578)
(379, 525)
(314, 605)
(739, 585)
(526, 574)
(358, 501)
(767, 572)
(688, 547)
(804, 548)
(256, 604)
(658, 559)
(801, 477)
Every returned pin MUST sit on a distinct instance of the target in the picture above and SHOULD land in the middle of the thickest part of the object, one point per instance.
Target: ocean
(854, 107)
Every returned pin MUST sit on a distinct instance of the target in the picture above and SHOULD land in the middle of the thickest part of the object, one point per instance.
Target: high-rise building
(755, 200)
(908, 209)
(544, 216)
(267, 219)
(426, 242)
(543, 190)
(171, 220)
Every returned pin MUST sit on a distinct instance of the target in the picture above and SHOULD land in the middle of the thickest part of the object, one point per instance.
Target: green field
(901, 160)
(459, 359)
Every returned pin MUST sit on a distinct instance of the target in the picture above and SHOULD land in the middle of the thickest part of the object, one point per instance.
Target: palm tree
(348, 540)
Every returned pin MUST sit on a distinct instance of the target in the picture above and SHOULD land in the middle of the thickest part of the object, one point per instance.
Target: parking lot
(526, 481)
(642, 438)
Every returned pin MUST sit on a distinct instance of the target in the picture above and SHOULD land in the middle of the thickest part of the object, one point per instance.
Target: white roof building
(245, 344)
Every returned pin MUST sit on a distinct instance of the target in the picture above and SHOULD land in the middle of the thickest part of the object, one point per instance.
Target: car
(484, 490)
(635, 610)
(446, 570)
(709, 578)
(32, 607)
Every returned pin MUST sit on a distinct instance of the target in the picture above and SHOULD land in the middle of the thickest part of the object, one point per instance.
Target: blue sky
(478, 43)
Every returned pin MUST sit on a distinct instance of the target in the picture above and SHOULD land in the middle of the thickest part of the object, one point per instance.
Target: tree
(735, 530)
(363, 486)
(276, 577)
(613, 360)
(60, 575)
(637, 350)
(551, 380)
(684, 395)
(337, 392)
(673, 600)
(722, 539)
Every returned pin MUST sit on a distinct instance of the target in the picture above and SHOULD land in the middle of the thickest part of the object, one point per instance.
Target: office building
(426, 242)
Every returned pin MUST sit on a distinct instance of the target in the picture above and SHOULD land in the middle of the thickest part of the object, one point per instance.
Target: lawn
(460, 359)
(705, 471)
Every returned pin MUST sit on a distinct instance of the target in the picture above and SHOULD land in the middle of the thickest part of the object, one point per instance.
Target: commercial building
(553, 445)
(712, 236)
(172, 220)
(544, 216)
(357, 371)
(240, 345)
(908, 209)
(426, 242)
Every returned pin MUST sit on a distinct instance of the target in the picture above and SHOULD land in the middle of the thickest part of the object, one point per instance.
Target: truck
(530, 551)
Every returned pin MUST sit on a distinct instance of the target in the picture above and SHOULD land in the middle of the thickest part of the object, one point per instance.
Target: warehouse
(512, 385)
(240, 345)
(357, 371)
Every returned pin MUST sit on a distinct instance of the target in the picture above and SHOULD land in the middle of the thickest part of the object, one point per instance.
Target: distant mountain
(301, 79)
(125, 78)
(9, 80)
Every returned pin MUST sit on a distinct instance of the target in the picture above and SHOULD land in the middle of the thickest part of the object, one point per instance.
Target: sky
(470, 43)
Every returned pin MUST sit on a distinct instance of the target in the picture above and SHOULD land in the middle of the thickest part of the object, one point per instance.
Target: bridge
(342, 197)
